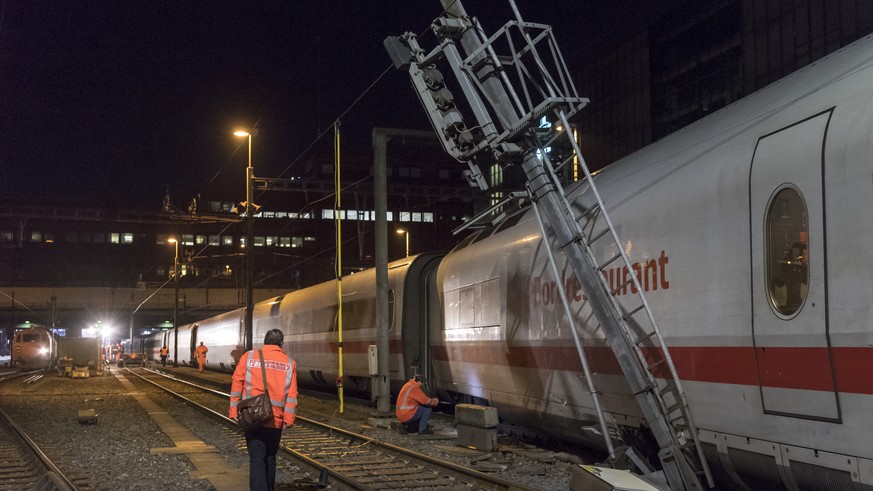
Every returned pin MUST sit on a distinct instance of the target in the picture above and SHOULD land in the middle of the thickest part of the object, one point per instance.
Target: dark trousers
(163, 360)
(418, 421)
(263, 444)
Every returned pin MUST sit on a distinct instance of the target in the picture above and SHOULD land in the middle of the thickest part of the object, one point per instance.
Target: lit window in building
(389, 216)
(200, 239)
(296, 241)
(496, 198)
(214, 240)
(327, 214)
(36, 236)
(127, 238)
(309, 238)
(496, 175)
(416, 216)
(272, 240)
(284, 241)
(227, 240)
(6, 236)
(353, 214)
(428, 216)
(404, 216)
(188, 239)
(269, 214)
(161, 239)
(114, 238)
(281, 214)
(259, 241)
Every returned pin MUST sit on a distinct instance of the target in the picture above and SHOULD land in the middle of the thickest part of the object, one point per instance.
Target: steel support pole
(250, 246)
(176, 305)
(382, 389)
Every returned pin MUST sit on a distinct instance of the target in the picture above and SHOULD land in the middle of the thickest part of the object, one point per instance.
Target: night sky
(114, 103)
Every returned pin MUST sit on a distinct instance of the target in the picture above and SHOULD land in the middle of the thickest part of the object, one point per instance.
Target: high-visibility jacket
(411, 396)
(281, 380)
(201, 352)
(165, 351)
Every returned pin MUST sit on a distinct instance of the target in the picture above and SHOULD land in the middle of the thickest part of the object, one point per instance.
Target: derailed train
(750, 231)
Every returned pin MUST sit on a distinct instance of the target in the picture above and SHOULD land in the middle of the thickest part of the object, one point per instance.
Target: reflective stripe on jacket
(281, 379)
(411, 396)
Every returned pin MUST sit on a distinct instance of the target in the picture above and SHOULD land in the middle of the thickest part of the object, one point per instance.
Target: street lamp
(406, 233)
(175, 303)
(250, 240)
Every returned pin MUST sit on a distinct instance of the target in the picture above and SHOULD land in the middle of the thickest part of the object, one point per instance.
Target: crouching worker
(248, 381)
(414, 406)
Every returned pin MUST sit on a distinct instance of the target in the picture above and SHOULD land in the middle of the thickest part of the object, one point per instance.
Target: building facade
(685, 60)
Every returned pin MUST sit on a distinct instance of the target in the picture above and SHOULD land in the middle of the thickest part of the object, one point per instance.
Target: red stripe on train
(784, 367)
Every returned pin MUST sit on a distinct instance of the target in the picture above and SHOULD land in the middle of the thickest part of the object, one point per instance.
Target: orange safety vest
(411, 396)
(165, 351)
(281, 378)
(201, 352)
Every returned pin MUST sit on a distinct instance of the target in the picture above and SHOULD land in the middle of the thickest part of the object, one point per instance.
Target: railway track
(23, 465)
(344, 459)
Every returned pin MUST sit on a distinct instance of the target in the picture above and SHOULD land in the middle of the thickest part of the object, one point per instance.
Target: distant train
(34, 348)
(751, 234)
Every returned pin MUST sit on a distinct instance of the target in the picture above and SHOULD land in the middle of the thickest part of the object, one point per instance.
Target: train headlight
(43, 351)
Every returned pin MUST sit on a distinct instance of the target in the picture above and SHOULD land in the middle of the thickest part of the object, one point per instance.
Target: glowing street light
(250, 239)
(406, 233)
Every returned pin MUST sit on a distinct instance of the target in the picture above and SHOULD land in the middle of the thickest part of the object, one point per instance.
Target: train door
(789, 272)
(193, 346)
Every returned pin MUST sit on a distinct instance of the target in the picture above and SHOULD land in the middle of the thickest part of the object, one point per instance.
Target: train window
(786, 258)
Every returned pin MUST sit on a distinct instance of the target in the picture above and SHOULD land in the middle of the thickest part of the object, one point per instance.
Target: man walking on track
(164, 353)
(248, 381)
(201, 356)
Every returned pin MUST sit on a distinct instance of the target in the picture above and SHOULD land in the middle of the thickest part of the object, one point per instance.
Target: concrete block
(484, 439)
(87, 416)
(475, 415)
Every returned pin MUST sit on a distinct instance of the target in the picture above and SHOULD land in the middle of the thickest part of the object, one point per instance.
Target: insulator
(433, 78)
(443, 99)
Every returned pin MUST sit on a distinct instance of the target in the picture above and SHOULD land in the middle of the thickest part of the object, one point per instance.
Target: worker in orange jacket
(281, 371)
(164, 353)
(200, 352)
(414, 406)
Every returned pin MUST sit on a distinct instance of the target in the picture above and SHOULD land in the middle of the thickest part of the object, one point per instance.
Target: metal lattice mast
(507, 95)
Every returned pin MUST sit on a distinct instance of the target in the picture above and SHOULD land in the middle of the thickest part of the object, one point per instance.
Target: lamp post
(406, 233)
(250, 241)
(175, 303)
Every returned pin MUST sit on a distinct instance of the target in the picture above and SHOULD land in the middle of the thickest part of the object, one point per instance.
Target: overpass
(76, 308)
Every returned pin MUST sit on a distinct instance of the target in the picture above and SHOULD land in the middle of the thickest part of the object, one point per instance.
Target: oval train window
(786, 260)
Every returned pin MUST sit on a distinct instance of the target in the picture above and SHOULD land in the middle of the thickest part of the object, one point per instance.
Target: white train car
(308, 318)
(750, 231)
